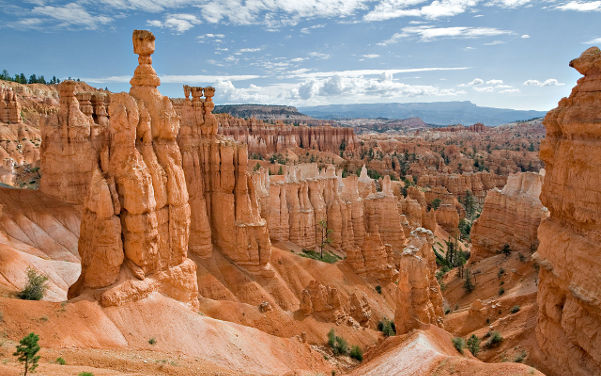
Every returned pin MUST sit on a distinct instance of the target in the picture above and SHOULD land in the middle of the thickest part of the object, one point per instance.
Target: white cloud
(489, 86)
(581, 6)
(319, 55)
(593, 41)
(430, 33)
(509, 3)
(547, 82)
(370, 72)
(389, 9)
(179, 22)
(494, 43)
(71, 14)
(371, 56)
(210, 36)
(246, 50)
(525, 36)
(175, 78)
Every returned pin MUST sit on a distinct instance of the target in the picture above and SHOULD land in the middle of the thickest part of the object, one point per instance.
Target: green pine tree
(26, 352)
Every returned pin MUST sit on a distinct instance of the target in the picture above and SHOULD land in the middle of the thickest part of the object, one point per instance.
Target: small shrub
(459, 344)
(515, 309)
(506, 250)
(85, 374)
(379, 289)
(522, 257)
(473, 344)
(494, 340)
(500, 273)
(387, 327)
(60, 361)
(468, 285)
(328, 257)
(447, 311)
(521, 356)
(152, 341)
(338, 345)
(36, 286)
(356, 353)
(501, 291)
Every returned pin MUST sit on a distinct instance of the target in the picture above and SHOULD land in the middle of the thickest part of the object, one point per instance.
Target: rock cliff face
(477, 183)
(364, 223)
(136, 218)
(265, 138)
(419, 301)
(510, 216)
(225, 208)
(569, 294)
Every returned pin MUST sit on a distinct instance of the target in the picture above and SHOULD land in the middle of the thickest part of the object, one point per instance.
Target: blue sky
(500, 53)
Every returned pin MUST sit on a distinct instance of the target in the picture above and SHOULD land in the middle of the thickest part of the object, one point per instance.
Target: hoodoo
(569, 293)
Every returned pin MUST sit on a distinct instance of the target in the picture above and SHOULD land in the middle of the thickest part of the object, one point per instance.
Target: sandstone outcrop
(225, 207)
(477, 183)
(509, 216)
(569, 294)
(10, 109)
(419, 301)
(364, 224)
(265, 138)
(136, 219)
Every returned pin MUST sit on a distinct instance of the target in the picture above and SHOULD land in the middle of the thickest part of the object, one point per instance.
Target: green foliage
(280, 171)
(279, 158)
(473, 344)
(469, 204)
(36, 286)
(152, 341)
(515, 309)
(500, 273)
(494, 340)
(387, 327)
(465, 227)
(26, 352)
(435, 204)
(379, 289)
(357, 353)
(85, 374)
(326, 256)
(468, 285)
(60, 361)
(338, 344)
(257, 167)
(373, 174)
(521, 356)
(33, 79)
(501, 291)
(459, 344)
(342, 146)
(506, 250)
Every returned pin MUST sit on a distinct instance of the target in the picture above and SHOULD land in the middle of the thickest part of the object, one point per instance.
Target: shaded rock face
(10, 109)
(510, 216)
(419, 300)
(369, 229)
(224, 205)
(569, 294)
(478, 183)
(136, 216)
(264, 138)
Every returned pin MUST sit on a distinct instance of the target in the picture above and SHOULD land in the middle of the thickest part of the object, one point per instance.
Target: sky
(497, 53)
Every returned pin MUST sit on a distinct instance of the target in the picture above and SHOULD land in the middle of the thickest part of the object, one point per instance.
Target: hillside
(442, 113)
(288, 114)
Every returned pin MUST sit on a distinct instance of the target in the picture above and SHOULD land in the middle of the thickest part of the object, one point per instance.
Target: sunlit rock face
(569, 294)
(510, 216)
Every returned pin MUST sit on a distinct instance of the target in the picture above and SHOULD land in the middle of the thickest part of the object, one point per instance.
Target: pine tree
(26, 352)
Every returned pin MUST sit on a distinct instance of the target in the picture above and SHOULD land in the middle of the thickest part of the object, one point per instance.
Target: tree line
(33, 79)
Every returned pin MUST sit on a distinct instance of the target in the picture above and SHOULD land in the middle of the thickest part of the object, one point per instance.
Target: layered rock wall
(478, 183)
(510, 216)
(569, 293)
(419, 300)
(265, 138)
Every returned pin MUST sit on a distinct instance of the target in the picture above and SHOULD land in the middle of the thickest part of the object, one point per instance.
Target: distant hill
(288, 114)
(441, 113)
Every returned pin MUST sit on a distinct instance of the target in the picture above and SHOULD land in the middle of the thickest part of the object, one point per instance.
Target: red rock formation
(509, 216)
(136, 218)
(10, 109)
(569, 253)
(419, 301)
(477, 183)
(265, 138)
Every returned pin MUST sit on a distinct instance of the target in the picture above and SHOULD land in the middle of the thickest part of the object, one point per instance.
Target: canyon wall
(478, 183)
(569, 253)
(265, 138)
(510, 216)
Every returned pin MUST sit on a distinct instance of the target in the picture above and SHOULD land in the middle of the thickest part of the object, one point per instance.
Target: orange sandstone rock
(569, 253)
